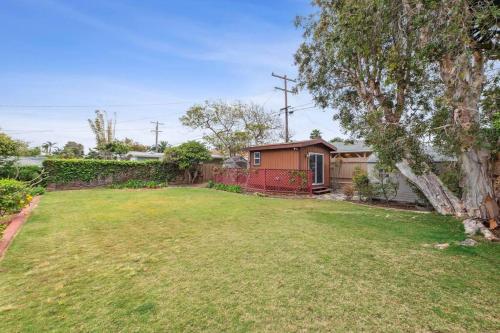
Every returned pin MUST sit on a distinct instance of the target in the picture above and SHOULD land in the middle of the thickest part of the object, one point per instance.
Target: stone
(468, 242)
(441, 246)
(471, 226)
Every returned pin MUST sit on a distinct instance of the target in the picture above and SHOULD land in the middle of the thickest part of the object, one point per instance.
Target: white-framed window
(256, 158)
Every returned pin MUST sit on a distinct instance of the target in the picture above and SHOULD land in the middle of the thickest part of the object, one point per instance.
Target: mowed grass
(195, 260)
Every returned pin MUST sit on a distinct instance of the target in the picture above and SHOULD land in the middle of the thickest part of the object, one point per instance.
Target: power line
(286, 91)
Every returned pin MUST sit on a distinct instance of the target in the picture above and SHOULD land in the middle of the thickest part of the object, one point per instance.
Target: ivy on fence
(64, 171)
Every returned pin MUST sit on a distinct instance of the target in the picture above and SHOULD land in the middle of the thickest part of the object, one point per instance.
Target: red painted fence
(267, 180)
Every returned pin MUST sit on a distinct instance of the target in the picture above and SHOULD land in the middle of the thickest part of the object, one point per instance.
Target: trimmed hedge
(82, 172)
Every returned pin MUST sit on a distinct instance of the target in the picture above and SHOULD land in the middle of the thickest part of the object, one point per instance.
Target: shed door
(316, 165)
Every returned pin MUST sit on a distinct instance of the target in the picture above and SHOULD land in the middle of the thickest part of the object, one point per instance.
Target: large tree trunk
(442, 199)
(478, 185)
(464, 77)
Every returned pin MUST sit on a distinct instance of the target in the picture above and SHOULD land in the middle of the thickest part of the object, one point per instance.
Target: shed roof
(296, 144)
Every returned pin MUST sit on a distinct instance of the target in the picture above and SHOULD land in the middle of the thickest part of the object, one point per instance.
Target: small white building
(143, 156)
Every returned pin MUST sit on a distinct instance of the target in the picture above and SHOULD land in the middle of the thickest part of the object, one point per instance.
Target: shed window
(256, 158)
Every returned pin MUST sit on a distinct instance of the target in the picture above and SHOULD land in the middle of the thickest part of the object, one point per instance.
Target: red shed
(313, 155)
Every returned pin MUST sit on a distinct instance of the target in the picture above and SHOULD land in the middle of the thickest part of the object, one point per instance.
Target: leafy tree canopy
(232, 127)
(315, 134)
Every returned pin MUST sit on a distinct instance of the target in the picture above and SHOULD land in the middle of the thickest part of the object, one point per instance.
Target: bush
(26, 173)
(348, 191)
(106, 172)
(14, 195)
(227, 188)
(134, 183)
(362, 185)
(210, 184)
(37, 190)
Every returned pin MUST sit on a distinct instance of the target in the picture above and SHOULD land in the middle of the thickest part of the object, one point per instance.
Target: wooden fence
(342, 170)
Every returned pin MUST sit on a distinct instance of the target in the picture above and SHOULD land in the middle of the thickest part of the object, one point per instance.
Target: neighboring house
(313, 155)
(143, 156)
(349, 156)
(28, 160)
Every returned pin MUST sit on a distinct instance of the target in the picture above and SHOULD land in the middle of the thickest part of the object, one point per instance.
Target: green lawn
(203, 260)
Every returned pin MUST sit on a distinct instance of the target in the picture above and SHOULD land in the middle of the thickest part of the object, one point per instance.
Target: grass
(202, 260)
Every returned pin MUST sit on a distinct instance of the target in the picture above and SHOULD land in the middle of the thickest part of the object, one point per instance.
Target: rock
(471, 226)
(468, 242)
(488, 234)
(441, 246)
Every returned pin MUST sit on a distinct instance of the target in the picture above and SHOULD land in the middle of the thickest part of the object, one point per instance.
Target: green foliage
(315, 134)
(135, 183)
(356, 58)
(188, 157)
(8, 146)
(71, 150)
(36, 190)
(14, 195)
(225, 187)
(210, 184)
(233, 127)
(61, 171)
(362, 185)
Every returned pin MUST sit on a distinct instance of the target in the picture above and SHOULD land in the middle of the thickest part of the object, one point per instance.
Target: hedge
(83, 172)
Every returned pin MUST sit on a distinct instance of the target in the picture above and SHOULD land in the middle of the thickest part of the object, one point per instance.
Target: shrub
(14, 195)
(227, 188)
(348, 191)
(26, 173)
(106, 172)
(362, 185)
(37, 190)
(210, 184)
(134, 183)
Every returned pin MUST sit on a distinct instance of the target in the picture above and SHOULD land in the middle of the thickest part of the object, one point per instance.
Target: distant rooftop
(356, 147)
(361, 147)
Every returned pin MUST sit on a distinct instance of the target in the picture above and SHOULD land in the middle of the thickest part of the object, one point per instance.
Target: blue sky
(145, 60)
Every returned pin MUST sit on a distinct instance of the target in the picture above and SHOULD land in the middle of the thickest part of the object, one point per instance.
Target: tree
(48, 146)
(162, 145)
(461, 39)
(188, 157)
(232, 127)
(134, 145)
(315, 134)
(72, 150)
(336, 139)
(103, 128)
(364, 58)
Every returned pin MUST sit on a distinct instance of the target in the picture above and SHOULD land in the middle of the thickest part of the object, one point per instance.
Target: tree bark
(478, 185)
(442, 199)
(464, 78)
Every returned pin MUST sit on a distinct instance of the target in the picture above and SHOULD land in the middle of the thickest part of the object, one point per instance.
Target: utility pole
(156, 131)
(286, 91)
